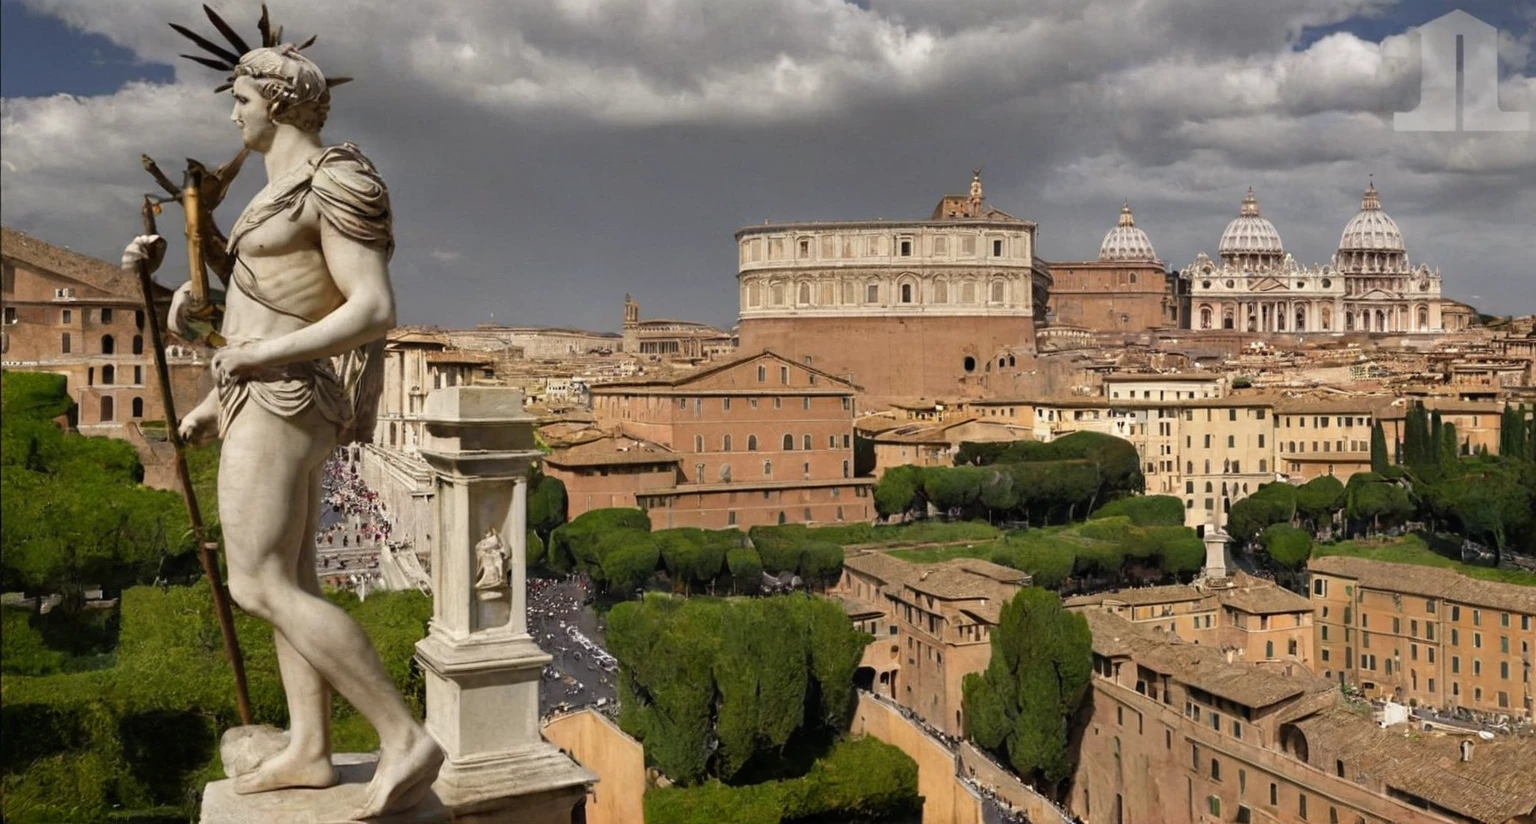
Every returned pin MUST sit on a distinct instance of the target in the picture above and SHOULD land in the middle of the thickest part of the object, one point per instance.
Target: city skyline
(610, 148)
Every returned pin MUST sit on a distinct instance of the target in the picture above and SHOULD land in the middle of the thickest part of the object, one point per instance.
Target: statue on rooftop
(308, 305)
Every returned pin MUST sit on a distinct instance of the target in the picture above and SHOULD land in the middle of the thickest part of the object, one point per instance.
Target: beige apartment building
(1424, 636)
(1253, 620)
(1177, 732)
(1210, 452)
(932, 625)
(1316, 437)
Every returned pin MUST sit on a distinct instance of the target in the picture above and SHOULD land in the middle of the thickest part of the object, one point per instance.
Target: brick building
(932, 625)
(1424, 636)
(1176, 732)
(83, 318)
(757, 440)
(1127, 289)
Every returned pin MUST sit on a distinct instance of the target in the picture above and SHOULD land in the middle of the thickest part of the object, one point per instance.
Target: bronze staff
(205, 548)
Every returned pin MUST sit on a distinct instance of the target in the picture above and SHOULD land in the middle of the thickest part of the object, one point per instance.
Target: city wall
(1008, 787)
(946, 800)
(598, 744)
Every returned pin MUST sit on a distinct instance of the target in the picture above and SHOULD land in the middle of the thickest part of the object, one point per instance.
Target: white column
(482, 671)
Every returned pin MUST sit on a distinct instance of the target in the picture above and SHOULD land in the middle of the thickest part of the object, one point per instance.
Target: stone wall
(1036, 807)
(619, 761)
(946, 800)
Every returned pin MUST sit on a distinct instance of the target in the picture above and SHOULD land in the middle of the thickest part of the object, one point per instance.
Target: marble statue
(491, 557)
(308, 305)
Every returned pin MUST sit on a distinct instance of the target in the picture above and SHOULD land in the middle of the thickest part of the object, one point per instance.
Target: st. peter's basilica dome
(1125, 242)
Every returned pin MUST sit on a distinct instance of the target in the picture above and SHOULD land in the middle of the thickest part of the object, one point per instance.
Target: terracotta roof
(612, 451)
(1143, 596)
(882, 567)
(1264, 599)
(679, 380)
(858, 607)
(93, 272)
(966, 579)
(1202, 667)
(1432, 582)
(1362, 405)
(1497, 785)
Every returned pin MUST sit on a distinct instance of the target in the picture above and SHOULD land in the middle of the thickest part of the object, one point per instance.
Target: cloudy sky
(545, 157)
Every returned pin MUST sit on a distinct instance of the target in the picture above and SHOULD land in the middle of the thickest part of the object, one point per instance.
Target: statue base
(533, 784)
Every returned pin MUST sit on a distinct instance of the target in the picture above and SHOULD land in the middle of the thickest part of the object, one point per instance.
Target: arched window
(108, 374)
(768, 469)
(108, 346)
(106, 407)
(805, 442)
(805, 293)
(997, 291)
(1133, 277)
(789, 443)
(138, 407)
(138, 344)
(1010, 360)
(1205, 317)
(1209, 488)
(725, 444)
(698, 443)
(782, 519)
(906, 293)
(751, 443)
(1269, 649)
(1189, 467)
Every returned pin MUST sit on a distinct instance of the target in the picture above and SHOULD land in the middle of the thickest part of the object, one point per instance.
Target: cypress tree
(1378, 449)
(1450, 444)
(1511, 433)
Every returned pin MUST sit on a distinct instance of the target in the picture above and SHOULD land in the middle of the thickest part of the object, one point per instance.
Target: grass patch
(933, 532)
(939, 554)
(1412, 549)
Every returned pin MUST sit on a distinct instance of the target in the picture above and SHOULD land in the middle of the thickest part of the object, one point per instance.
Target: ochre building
(1424, 636)
(1125, 290)
(1177, 732)
(756, 440)
(905, 309)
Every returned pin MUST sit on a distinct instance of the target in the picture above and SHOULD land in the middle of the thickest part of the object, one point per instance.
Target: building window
(106, 315)
(67, 316)
(789, 443)
(138, 407)
(997, 248)
(762, 373)
(64, 343)
(751, 443)
(106, 408)
(784, 375)
(725, 444)
(805, 442)
(108, 375)
(872, 293)
(725, 404)
(906, 248)
(997, 291)
(805, 403)
(906, 293)
(108, 345)
(768, 469)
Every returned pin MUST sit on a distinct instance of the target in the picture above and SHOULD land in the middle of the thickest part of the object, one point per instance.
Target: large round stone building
(905, 309)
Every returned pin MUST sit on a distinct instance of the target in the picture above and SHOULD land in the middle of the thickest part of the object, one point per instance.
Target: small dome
(1125, 242)
(1250, 234)
(1371, 229)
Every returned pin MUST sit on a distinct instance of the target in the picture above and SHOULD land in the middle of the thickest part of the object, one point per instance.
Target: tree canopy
(1021, 707)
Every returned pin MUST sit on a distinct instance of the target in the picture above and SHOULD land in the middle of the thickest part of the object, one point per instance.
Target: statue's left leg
(306, 760)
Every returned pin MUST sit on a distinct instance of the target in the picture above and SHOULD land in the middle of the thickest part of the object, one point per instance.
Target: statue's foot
(403, 777)
(288, 770)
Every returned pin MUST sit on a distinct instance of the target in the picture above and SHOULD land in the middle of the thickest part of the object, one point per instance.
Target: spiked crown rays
(225, 59)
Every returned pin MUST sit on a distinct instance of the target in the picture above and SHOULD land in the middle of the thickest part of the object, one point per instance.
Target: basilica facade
(1370, 286)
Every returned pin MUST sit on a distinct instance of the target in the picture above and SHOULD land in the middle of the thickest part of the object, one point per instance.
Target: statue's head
(278, 86)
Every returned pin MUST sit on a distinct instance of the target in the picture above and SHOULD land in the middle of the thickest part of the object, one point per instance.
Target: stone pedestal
(482, 669)
(1217, 571)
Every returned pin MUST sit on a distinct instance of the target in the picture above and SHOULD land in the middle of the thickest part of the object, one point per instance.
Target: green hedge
(861, 780)
(1145, 510)
(142, 735)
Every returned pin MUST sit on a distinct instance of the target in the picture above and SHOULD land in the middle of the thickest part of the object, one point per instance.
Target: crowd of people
(353, 523)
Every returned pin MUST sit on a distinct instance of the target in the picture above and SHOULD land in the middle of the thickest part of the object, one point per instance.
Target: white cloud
(550, 153)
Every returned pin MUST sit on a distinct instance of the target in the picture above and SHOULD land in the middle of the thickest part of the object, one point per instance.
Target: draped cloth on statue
(346, 190)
